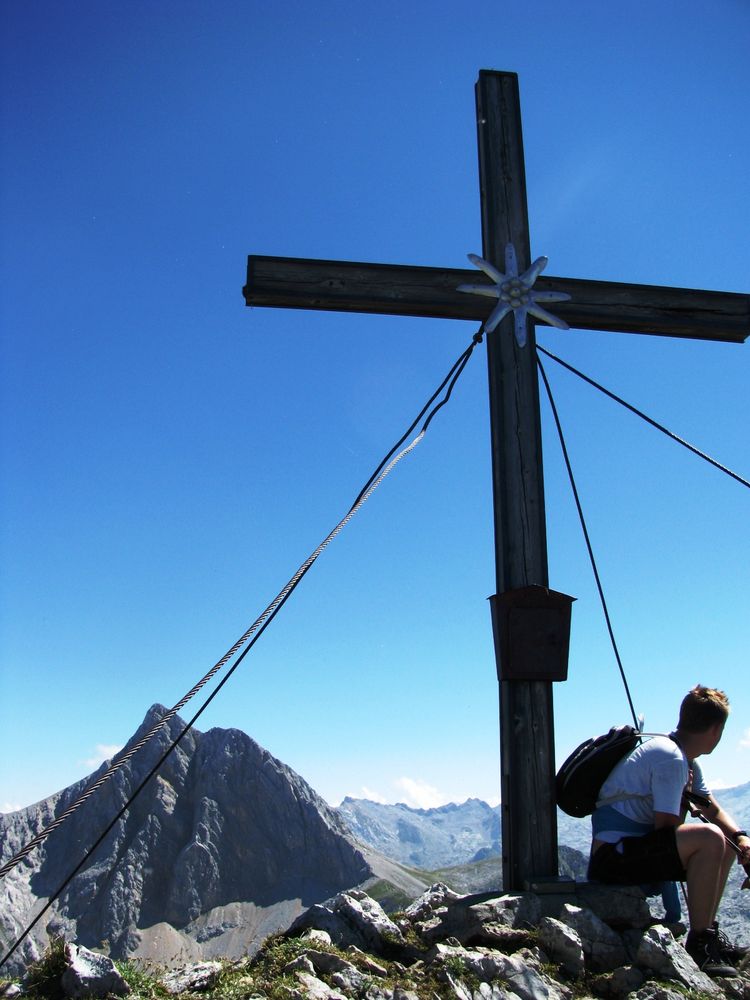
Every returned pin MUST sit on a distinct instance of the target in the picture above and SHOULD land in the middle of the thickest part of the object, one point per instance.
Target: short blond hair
(702, 708)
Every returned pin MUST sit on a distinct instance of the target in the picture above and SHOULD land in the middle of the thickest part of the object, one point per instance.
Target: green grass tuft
(43, 976)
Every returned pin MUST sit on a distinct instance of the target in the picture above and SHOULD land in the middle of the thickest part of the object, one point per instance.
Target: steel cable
(255, 631)
(649, 420)
(587, 538)
(644, 416)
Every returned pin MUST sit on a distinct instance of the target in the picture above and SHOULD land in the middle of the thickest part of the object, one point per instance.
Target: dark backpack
(584, 772)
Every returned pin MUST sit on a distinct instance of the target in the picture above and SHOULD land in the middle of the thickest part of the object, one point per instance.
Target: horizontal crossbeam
(405, 290)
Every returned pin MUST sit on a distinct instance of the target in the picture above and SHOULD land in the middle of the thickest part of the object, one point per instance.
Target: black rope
(265, 620)
(649, 420)
(121, 759)
(173, 746)
(588, 539)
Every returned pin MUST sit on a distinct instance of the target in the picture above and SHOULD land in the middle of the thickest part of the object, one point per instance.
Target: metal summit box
(531, 628)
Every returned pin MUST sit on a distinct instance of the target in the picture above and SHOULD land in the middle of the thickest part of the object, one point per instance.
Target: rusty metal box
(531, 628)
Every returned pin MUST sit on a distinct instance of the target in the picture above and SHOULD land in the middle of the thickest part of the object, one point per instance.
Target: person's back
(639, 833)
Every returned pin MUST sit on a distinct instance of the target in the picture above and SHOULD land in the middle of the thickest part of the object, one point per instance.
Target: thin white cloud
(745, 739)
(102, 752)
(368, 793)
(363, 793)
(413, 792)
(419, 794)
(719, 783)
(10, 807)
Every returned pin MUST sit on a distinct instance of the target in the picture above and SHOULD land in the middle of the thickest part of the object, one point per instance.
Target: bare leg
(702, 850)
(726, 867)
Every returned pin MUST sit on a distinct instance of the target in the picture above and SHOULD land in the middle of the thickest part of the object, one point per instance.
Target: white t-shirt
(652, 779)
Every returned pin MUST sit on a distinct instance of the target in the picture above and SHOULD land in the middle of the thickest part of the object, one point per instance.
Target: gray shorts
(651, 858)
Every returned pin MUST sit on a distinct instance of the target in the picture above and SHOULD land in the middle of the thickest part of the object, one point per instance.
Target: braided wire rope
(120, 760)
(587, 538)
(644, 416)
(263, 620)
(256, 629)
(649, 420)
(674, 437)
(370, 486)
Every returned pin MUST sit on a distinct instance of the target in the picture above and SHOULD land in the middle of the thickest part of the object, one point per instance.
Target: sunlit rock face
(224, 843)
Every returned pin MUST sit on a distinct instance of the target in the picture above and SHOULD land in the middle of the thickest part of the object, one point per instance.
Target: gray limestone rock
(632, 941)
(618, 984)
(503, 921)
(223, 825)
(365, 962)
(437, 896)
(299, 964)
(327, 962)
(342, 973)
(460, 990)
(603, 948)
(485, 991)
(315, 989)
(618, 906)
(660, 952)
(656, 991)
(492, 966)
(491, 991)
(369, 917)
(498, 936)
(353, 918)
(321, 917)
(517, 910)
(737, 989)
(321, 937)
(563, 945)
(193, 979)
(88, 974)
(350, 980)
(378, 993)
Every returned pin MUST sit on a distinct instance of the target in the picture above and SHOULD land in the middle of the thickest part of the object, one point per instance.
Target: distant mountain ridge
(427, 838)
(458, 834)
(444, 836)
(467, 837)
(227, 845)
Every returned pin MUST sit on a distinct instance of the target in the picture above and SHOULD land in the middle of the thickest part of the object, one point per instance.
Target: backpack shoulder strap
(623, 796)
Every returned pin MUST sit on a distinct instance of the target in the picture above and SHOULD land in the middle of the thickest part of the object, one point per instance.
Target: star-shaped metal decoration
(515, 292)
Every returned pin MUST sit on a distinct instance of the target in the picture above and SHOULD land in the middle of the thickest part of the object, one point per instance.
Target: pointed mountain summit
(224, 846)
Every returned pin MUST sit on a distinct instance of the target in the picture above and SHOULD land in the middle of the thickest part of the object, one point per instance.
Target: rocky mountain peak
(224, 840)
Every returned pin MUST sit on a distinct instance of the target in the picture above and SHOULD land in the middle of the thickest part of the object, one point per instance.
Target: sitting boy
(640, 834)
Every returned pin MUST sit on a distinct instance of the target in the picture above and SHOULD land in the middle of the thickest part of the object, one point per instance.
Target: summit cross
(529, 822)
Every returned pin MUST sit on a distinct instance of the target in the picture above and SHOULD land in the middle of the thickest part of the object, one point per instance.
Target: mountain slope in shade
(225, 845)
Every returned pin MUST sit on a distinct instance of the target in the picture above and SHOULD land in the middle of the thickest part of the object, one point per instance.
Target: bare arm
(713, 812)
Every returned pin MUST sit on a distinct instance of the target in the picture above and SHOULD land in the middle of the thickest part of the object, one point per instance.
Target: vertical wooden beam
(529, 821)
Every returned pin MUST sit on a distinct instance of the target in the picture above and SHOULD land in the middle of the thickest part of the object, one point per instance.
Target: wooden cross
(529, 822)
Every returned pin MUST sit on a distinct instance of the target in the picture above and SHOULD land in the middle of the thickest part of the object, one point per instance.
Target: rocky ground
(444, 946)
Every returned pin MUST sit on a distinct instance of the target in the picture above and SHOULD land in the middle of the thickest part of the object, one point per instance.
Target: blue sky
(169, 456)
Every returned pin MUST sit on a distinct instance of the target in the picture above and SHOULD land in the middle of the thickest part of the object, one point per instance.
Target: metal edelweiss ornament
(515, 292)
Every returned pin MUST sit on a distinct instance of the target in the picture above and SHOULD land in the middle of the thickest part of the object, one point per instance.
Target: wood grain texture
(526, 709)
(528, 811)
(407, 290)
